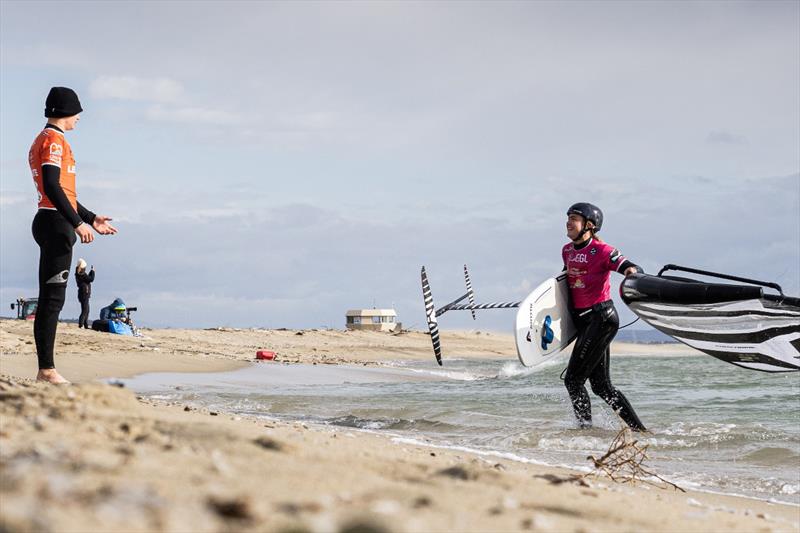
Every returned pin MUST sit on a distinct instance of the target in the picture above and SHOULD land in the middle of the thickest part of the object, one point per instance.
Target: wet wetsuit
(589, 266)
(84, 281)
(53, 168)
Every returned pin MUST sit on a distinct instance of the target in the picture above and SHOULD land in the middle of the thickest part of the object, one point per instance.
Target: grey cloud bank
(303, 266)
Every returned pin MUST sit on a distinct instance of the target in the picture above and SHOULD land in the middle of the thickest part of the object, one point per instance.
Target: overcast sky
(275, 164)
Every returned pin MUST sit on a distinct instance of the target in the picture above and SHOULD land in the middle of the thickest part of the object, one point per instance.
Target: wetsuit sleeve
(90, 275)
(626, 264)
(619, 263)
(53, 190)
(86, 215)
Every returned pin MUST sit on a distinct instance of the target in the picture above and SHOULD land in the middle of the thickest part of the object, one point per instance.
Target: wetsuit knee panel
(573, 381)
(602, 388)
(52, 298)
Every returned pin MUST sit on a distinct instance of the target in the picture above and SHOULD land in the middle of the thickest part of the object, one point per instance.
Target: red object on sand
(266, 355)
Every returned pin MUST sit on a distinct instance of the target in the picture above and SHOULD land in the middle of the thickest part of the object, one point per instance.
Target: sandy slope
(93, 457)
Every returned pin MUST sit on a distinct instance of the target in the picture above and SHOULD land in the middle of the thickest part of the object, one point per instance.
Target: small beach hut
(373, 319)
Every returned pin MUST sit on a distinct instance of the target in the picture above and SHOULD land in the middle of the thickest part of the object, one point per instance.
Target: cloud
(41, 55)
(7, 199)
(426, 150)
(193, 115)
(725, 137)
(252, 261)
(163, 90)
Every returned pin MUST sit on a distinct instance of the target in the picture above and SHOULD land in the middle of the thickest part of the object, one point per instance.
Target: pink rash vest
(589, 270)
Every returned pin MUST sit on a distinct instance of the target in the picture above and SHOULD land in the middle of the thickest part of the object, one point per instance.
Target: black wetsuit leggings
(590, 360)
(55, 237)
(83, 320)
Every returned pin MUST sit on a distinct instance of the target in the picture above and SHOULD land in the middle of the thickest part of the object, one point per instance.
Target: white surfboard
(544, 326)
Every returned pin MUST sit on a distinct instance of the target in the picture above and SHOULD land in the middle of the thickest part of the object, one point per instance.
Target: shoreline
(155, 390)
(85, 355)
(496, 455)
(98, 458)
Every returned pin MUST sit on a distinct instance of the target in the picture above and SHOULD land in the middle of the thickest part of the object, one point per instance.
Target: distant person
(84, 281)
(58, 221)
(589, 262)
(116, 310)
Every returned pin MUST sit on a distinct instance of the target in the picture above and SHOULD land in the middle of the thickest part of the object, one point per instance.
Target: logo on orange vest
(56, 149)
(71, 169)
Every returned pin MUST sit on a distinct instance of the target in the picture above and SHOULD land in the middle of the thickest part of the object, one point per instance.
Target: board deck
(543, 326)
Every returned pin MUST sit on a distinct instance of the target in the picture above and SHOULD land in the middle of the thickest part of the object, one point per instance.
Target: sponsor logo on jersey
(594, 251)
(578, 284)
(71, 169)
(578, 258)
(615, 255)
(56, 149)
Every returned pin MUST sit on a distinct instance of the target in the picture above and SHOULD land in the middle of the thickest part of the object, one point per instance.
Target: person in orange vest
(59, 221)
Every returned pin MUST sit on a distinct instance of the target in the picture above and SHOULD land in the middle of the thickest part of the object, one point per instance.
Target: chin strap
(583, 232)
(586, 228)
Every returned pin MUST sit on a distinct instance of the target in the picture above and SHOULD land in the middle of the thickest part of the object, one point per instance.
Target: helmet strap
(585, 229)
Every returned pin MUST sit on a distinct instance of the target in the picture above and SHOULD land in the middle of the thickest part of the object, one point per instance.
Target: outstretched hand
(84, 233)
(102, 225)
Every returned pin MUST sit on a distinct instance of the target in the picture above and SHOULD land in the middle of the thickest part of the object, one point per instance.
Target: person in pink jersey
(589, 262)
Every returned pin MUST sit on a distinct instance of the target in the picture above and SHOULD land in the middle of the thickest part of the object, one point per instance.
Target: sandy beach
(86, 355)
(94, 457)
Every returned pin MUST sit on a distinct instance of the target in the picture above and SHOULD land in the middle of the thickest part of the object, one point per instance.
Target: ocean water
(713, 426)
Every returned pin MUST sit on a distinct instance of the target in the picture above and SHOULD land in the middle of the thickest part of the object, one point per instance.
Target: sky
(273, 164)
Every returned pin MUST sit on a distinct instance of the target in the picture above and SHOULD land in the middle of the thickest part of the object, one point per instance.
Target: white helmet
(81, 264)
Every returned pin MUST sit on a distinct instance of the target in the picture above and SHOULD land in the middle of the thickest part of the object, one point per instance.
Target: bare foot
(51, 375)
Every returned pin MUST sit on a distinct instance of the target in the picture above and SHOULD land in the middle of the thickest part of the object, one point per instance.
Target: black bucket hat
(62, 102)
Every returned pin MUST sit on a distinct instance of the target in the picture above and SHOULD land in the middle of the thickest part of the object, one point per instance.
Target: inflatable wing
(739, 324)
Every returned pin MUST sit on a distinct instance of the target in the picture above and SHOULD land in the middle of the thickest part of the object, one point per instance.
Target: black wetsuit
(591, 359)
(84, 281)
(54, 232)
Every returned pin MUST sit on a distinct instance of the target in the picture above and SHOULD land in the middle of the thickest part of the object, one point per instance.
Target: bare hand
(630, 270)
(102, 226)
(84, 233)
